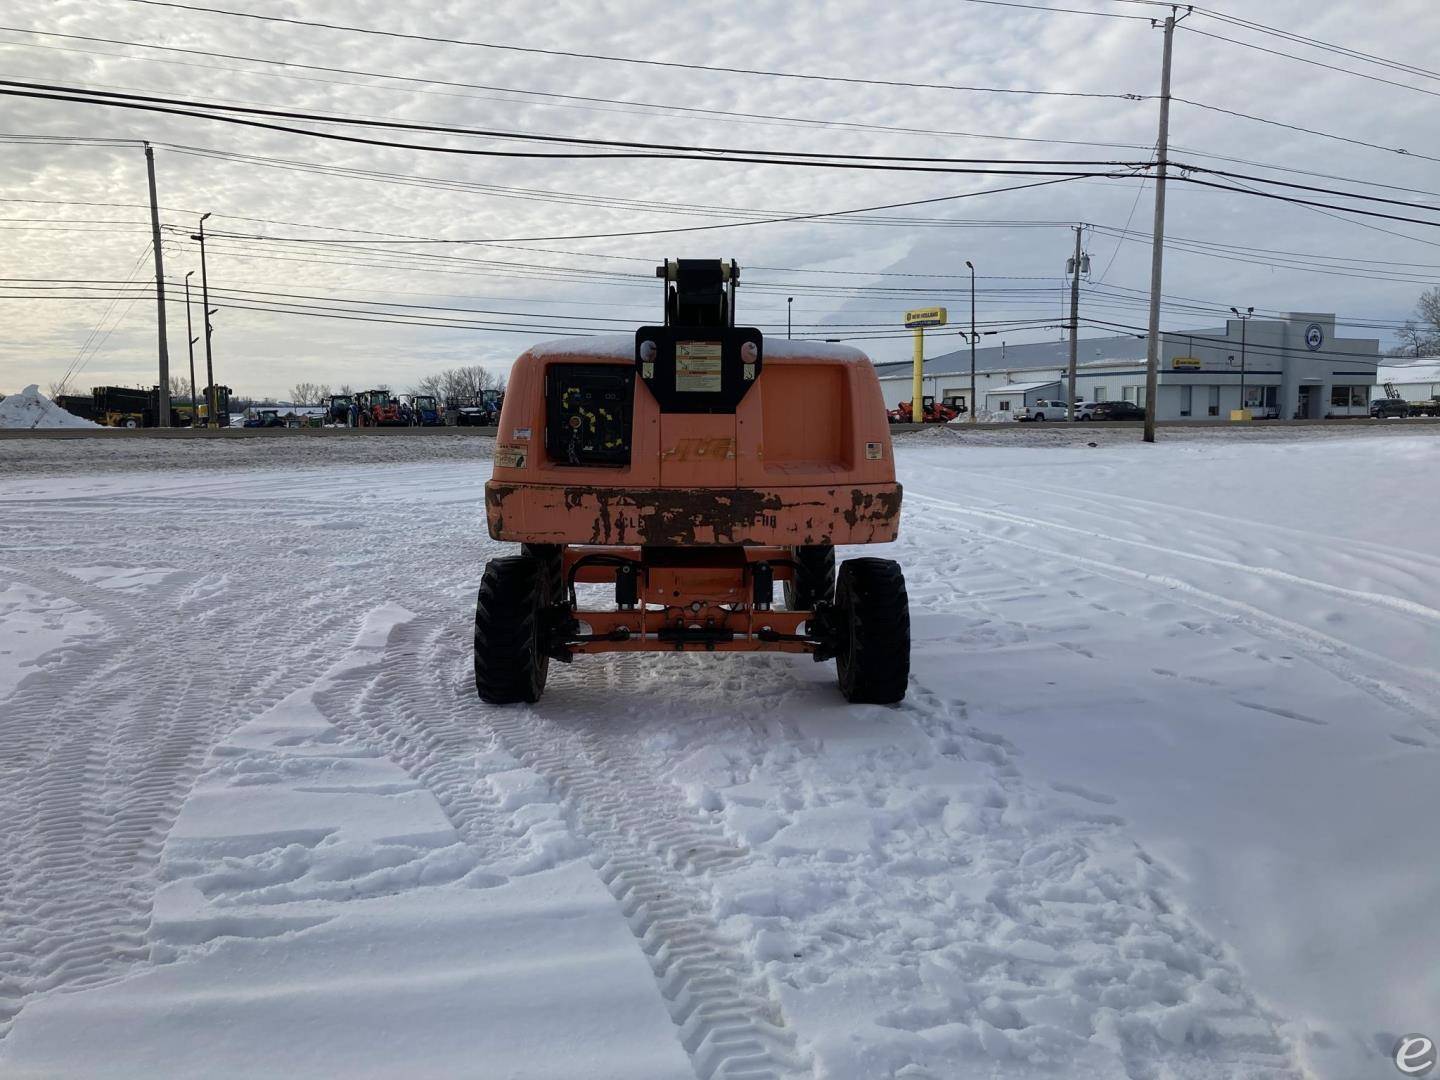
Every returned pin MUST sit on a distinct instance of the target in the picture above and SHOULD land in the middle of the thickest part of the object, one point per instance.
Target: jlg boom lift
(690, 469)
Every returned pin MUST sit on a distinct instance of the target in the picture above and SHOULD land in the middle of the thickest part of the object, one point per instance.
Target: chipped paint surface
(586, 514)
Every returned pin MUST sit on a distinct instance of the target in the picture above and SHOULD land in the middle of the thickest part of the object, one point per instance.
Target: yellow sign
(930, 316)
(1186, 363)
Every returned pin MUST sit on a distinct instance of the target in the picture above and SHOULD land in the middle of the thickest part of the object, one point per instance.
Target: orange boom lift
(688, 470)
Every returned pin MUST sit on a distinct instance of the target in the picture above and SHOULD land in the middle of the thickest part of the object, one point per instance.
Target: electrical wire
(645, 62)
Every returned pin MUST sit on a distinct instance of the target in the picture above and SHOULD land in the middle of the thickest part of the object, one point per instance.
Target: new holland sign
(922, 317)
(1185, 363)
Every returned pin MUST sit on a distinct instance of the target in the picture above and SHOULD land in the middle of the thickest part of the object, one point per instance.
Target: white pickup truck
(1054, 410)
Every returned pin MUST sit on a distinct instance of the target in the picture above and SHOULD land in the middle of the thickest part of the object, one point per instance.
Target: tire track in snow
(1394, 603)
(108, 738)
(1323, 650)
(650, 851)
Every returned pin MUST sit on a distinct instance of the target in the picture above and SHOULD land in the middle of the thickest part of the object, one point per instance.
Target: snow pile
(32, 409)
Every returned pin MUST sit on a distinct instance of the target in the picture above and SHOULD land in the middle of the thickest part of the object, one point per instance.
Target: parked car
(1384, 408)
(1049, 410)
(1116, 410)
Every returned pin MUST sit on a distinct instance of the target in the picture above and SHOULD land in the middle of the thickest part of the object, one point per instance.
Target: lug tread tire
(814, 580)
(554, 567)
(872, 612)
(510, 663)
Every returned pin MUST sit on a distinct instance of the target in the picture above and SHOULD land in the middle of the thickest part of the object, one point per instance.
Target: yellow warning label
(509, 457)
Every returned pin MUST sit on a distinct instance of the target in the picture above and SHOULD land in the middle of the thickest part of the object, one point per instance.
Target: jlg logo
(703, 450)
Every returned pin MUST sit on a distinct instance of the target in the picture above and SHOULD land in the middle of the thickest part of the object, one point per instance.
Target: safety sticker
(509, 457)
(521, 434)
(873, 451)
(698, 367)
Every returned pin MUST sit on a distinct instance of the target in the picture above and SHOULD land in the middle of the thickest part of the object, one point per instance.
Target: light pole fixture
(974, 410)
(1244, 318)
(788, 301)
(190, 336)
(212, 416)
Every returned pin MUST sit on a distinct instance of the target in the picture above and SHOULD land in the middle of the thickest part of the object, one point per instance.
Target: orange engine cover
(804, 459)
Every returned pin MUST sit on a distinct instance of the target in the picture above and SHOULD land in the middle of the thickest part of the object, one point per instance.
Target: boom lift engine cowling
(691, 469)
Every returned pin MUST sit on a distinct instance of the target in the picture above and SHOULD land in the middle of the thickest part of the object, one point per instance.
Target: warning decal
(698, 367)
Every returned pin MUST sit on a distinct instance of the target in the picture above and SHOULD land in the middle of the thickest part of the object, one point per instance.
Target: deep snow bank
(32, 409)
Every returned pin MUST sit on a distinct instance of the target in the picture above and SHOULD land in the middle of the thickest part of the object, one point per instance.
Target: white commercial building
(1413, 380)
(1293, 367)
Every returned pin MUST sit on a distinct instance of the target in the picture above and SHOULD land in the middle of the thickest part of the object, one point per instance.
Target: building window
(1214, 409)
(1339, 396)
(1134, 393)
(1359, 395)
(1099, 394)
(1004, 406)
(1185, 400)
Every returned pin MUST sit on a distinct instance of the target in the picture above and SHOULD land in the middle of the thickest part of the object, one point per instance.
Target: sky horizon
(313, 240)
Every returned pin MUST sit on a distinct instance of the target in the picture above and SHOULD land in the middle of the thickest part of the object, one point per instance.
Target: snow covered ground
(1159, 804)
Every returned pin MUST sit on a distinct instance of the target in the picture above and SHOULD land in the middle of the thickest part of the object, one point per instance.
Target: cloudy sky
(293, 308)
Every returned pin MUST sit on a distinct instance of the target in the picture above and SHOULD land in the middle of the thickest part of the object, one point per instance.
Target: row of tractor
(381, 408)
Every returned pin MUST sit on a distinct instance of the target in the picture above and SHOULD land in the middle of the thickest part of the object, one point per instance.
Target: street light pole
(1244, 319)
(788, 301)
(190, 334)
(973, 338)
(212, 418)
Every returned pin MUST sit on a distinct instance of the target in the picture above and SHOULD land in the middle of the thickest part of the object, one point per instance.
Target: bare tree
(1422, 338)
(309, 393)
(57, 388)
(180, 389)
(433, 385)
(344, 388)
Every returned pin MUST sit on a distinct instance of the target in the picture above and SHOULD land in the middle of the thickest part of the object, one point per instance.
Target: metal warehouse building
(1413, 380)
(1292, 367)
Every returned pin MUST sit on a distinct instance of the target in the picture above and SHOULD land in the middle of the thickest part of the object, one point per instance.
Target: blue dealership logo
(1314, 337)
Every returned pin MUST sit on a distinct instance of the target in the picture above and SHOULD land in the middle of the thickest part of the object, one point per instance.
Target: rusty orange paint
(804, 459)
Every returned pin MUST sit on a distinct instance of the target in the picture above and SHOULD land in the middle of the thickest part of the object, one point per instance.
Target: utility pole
(1244, 319)
(212, 417)
(1157, 250)
(974, 405)
(162, 396)
(190, 333)
(788, 301)
(1074, 269)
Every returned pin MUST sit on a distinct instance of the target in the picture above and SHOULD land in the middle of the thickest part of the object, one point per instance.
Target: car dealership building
(1291, 367)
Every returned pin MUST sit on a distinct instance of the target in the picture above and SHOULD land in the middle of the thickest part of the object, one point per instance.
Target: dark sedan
(1117, 410)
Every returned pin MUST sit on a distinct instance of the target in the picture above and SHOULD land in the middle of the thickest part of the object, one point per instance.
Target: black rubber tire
(814, 579)
(549, 557)
(1040, 417)
(872, 624)
(510, 660)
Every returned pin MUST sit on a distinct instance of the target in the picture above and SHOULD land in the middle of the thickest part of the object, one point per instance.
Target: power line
(646, 62)
(589, 101)
(1312, 63)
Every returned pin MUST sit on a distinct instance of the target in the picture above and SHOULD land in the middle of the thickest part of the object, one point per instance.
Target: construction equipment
(689, 469)
(378, 409)
(941, 412)
(263, 418)
(222, 406)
